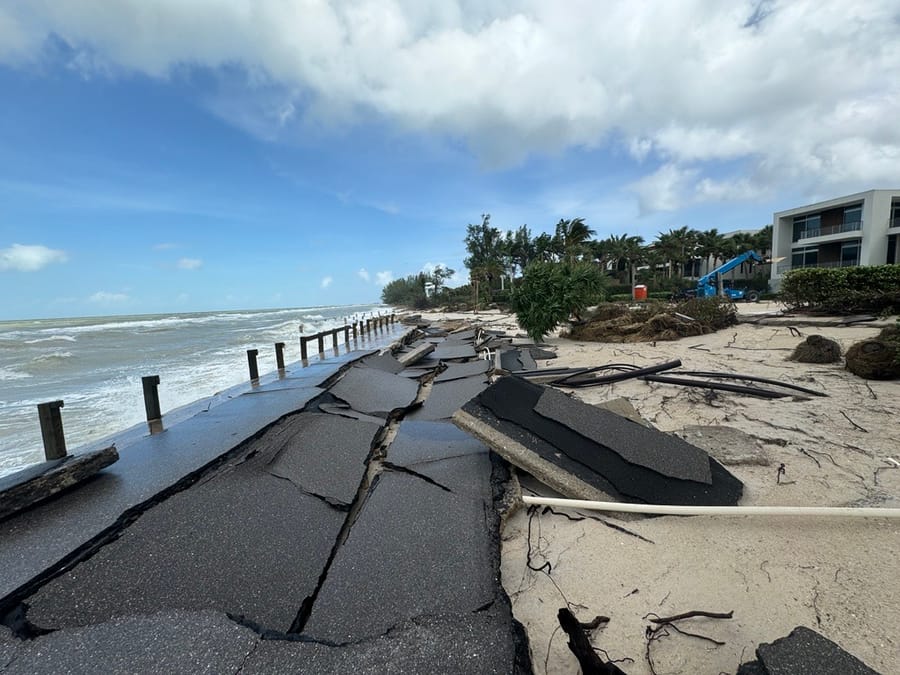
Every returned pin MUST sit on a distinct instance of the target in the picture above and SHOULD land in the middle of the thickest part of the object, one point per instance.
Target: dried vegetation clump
(817, 349)
(654, 321)
(878, 358)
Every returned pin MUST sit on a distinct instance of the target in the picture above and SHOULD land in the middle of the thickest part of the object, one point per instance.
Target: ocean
(95, 365)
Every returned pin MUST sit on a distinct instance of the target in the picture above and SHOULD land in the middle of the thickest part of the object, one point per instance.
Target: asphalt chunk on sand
(514, 399)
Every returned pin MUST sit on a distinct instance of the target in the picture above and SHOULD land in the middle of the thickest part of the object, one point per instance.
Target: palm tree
(710, 244)
(573, 235)
(762, 241)
(625, 251)
(672, 246)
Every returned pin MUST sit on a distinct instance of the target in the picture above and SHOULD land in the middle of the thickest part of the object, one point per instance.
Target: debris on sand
(817, 349)
(875, 359)
(804, 651)
(659, 321)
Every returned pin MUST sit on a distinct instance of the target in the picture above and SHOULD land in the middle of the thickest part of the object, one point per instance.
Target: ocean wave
(52, 356)
(7, 374)
(52, 338)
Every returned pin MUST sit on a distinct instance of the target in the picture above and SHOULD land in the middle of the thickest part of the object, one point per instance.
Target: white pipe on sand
(667, 510)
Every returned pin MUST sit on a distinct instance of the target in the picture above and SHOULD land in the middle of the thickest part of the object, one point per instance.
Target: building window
(853, 214)
(805, 257)
(895, 214)
(807, 226)
(893, 242)
(850, 254)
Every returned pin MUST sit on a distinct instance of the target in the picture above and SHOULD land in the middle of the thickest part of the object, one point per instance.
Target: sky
(201, 155)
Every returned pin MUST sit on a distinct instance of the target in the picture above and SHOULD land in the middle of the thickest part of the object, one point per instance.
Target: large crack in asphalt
(14, 608)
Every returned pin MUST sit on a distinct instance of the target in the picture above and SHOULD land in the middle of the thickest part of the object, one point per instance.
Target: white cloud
(803, 91)
(384, 278)
(326, 282)
(363, 274)
(29, 258)
(189, 263)
(164, 246)
(107, 298)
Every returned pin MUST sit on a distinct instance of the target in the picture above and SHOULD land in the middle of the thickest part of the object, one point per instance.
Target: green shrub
(842, 289)
(549, 293)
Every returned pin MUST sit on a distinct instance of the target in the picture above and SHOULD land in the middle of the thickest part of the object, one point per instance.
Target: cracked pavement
(323, 544)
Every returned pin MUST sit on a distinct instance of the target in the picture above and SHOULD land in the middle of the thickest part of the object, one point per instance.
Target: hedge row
(848, 290)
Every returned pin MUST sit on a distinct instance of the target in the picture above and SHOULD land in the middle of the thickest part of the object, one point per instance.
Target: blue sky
(164, 156)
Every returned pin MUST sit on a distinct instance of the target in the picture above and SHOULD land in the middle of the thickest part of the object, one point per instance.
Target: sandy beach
(838, 577)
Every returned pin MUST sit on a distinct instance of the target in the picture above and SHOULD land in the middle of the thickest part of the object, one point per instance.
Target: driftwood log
(580, 646)
(17, 496)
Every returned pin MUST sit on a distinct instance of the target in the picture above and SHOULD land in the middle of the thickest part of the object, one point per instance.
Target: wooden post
(346, 335)
(354, 329)
(334, 342)
(303, 355)
(368, 326)
(251, 361)
(52, 429)
(392, 318)
(151, 403)
(279, 355)
(320, 337)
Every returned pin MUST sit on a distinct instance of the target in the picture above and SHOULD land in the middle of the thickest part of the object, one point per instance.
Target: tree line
(497, 258)
(494, 254)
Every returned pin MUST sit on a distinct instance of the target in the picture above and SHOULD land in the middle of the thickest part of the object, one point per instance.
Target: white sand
(840, 577)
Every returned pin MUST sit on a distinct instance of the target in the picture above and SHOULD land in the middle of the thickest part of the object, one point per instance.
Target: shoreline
(95, 365)
(775, 573)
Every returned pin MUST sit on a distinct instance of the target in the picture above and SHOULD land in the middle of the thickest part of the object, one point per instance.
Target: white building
(860, 229)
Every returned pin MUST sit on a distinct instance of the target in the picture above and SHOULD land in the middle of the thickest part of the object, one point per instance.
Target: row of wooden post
(358, 328)
(50, 416)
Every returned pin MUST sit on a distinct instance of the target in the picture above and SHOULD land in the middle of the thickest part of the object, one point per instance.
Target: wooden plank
(68, 473)
(416, 354)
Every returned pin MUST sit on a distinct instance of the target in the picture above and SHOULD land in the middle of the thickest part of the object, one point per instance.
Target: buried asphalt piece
(730, 446)
(373, 391)
(228, 543)
(806, 652)
(514, 399)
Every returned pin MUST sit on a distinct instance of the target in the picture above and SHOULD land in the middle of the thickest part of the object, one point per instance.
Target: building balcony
(827, 230)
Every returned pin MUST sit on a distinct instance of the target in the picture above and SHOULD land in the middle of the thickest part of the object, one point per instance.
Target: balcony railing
(895, 222)
(787, 267)
(825, 230)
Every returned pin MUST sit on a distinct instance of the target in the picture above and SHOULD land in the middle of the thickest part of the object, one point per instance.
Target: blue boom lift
(707, 285)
